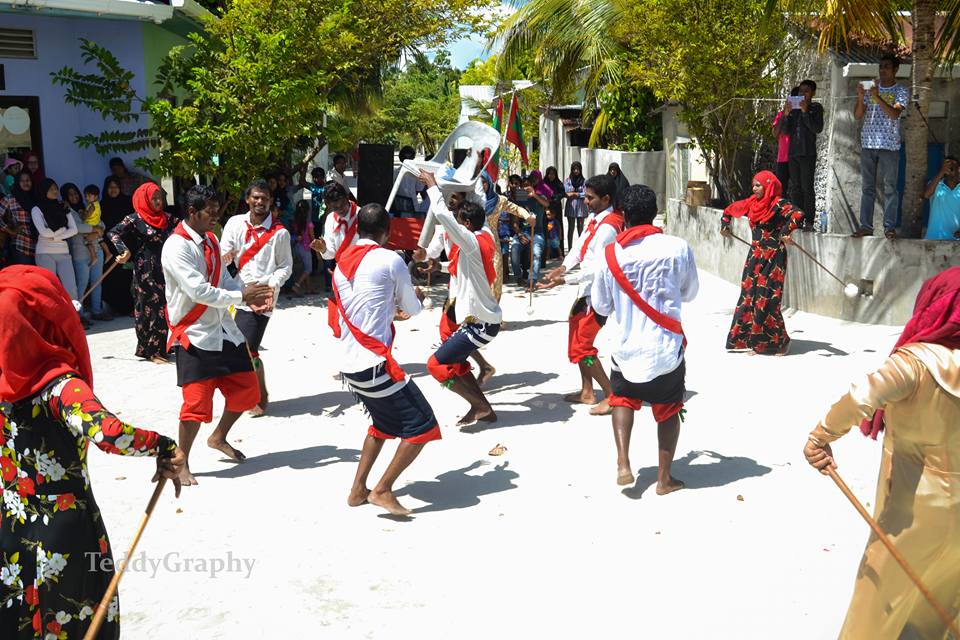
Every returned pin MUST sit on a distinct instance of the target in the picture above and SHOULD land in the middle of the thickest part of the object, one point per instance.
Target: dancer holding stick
(915, 396)
(53, 540)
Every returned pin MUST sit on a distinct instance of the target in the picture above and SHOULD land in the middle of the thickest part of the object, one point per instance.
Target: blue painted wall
(58, 45)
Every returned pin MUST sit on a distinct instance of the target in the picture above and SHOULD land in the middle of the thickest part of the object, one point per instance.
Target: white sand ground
(538, 543)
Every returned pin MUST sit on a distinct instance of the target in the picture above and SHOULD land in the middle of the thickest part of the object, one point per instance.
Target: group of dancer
(628, 270)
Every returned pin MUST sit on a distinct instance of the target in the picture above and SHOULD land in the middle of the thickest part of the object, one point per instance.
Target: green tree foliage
(259, 81)
(626, 120)
(712, 58)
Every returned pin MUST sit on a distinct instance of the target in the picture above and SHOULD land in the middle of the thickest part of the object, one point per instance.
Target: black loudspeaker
(375, 173)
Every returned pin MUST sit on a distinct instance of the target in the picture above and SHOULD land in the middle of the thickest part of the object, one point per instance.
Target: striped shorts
(397, 409)
(450, 360)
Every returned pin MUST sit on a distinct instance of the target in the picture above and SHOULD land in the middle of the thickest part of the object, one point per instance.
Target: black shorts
(252, 326)
(397, 409)
(195, 364)
(666, 389)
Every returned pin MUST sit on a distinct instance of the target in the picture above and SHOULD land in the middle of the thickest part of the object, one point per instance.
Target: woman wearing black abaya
(114, 207)
(622, 183)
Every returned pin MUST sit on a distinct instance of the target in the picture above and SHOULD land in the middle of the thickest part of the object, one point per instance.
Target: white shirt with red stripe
(185, 272)
(473, 292)
(599, 235)
(662, 270)
(337, 229)
(437, 246)
(272, 264)
(380, 286)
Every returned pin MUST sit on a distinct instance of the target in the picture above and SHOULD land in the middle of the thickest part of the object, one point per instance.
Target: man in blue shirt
(880, 108)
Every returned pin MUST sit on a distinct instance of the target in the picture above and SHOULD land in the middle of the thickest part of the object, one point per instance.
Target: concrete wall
(895, 270)
(643, 167)
(58, 46)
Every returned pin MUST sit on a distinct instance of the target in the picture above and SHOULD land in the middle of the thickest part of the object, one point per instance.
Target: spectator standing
(85, 249)
(54, 226)
(551, 178)
(406, 198)
(114, 207)
(619, 180)
(783, 141)
(576, 210)
(803, 124)
(31, 162)
(18, 221)
(11, 169)
(943, 192)
(339, 169)
(880, 108)
(129, 180)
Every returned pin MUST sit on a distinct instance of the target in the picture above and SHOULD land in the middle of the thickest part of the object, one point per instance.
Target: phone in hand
(795, 101)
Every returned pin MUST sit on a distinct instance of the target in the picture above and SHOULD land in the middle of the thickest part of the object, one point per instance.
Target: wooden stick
(101, 611)
(882, 536)
(818, 263)
(736, 237)
(99, 280)
(531, 267)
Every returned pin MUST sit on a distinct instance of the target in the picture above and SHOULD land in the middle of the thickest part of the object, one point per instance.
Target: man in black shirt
(802, 125)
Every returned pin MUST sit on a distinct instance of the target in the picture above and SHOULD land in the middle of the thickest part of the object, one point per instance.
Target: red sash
(485, 240)
(348, 264)
(211, 255)
(614, 219)
(259, 242)
(624, 238)
(350, 233)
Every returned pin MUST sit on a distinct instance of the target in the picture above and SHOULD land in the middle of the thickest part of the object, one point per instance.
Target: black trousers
(801, 186)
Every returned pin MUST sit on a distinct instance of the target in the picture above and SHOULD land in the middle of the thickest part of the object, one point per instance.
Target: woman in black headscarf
(576, 210)
(114, 207)
(551, 178)
(622, 183)
(54, 227)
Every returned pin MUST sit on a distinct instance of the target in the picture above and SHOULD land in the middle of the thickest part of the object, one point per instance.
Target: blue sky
(466, 50)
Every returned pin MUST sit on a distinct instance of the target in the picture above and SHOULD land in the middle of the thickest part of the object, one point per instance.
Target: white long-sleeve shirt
(473, 292)
(49, 241)
(185, 272)
(380, 285)
(662, 270)
(605, 234)
(334, 234)
(272, 265)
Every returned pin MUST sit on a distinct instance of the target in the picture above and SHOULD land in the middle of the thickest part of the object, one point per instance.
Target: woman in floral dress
(55, 557)
(757, 321)
(141, 236)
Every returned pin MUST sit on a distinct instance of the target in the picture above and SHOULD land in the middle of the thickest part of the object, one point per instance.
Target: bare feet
(386, 500)
(257, 411)
(581, 397)
(625, 477)
(224, 447)
(159, 360)
(485, 374)
(477, 415)
(186, 478)
(669, 487)
(603, 408)
(358, 496)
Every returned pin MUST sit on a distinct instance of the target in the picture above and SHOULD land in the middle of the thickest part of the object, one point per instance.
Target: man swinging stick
(646, 275)
(371, 284)
(602, 228)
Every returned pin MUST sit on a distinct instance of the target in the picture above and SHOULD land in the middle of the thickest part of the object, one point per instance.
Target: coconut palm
(930, 46)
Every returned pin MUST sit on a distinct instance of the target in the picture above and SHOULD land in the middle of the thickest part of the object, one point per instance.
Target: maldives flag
(493, 167)
(515, 130)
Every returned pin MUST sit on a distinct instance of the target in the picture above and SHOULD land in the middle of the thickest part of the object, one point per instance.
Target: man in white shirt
(339, 233)
(259, 246)
(211, 353)
(371, 285)
(339, 169)
(647, 277)
(603, 224)
(472, 274)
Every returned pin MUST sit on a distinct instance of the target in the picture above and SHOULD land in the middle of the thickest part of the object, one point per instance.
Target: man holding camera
(803, 120)
(880, 106)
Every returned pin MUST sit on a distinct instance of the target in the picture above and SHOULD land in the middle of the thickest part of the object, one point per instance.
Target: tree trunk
(916, 133)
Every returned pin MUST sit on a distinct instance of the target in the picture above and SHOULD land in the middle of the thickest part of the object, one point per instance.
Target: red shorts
(423, 438)
(241, 391)
(448, 325)
(661, 412)
(583, 330)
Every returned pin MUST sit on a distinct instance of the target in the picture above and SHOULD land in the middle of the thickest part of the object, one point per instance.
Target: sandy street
(538, 543)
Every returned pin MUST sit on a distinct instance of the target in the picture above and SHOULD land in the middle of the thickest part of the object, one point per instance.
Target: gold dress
(493, 220)
(918, 492)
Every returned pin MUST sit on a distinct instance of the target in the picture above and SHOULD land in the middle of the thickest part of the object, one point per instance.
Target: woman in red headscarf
(915, 397)
(55, 557)
(757, 321)
(140, 236)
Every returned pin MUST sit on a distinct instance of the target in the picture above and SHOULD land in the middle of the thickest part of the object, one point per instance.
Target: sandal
(890, 235)
(498, 450)
(862, 232)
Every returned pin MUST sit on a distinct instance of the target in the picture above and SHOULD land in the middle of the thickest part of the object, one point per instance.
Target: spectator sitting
(554, 233)
(943, 192)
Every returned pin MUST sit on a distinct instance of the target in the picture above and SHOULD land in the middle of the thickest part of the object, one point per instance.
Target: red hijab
(759, 210)
(936, 320)
(40, 333)
(142, 204)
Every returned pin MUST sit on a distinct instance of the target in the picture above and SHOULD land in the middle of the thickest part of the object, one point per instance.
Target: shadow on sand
(330, 404)
(309, 458)
(799, 347)
(460, 489)
(698, 473)
(540, 409)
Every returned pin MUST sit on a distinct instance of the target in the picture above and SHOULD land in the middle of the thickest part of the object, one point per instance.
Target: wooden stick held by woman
(99, 280)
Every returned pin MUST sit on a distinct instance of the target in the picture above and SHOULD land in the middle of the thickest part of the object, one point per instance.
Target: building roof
(178, 14)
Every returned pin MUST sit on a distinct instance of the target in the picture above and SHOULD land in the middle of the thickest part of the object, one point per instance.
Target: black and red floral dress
(55, 559)
(145, 242)
(757, 320)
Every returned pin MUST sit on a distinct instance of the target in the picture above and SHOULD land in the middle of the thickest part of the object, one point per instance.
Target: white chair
(483, 139)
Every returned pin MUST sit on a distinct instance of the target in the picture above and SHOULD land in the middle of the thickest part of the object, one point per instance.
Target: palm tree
(930, 46)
